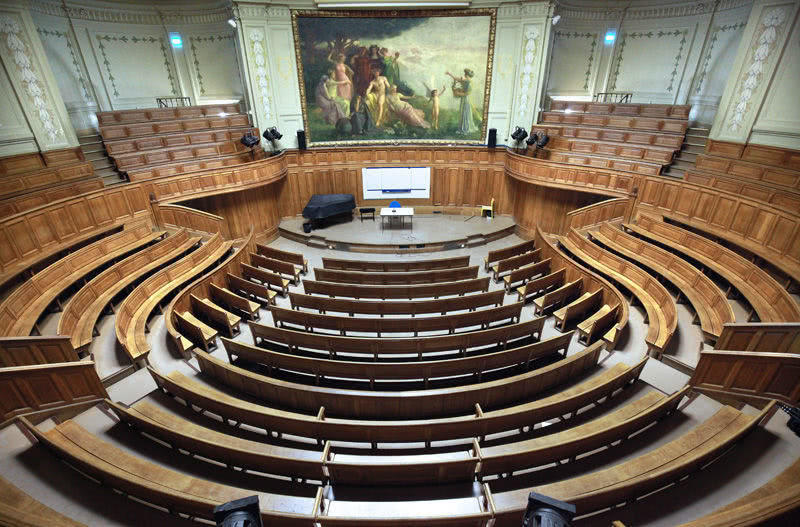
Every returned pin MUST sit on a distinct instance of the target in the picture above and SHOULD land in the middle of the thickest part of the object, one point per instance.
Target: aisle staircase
(95, 152)
(694, 143)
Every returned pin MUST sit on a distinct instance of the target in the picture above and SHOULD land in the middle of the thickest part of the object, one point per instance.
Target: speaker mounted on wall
(492, 137)
(301, 140)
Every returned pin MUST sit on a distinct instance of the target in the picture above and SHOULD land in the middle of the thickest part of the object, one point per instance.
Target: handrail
(172, 102)
(178, 216)
(596, 213)
(612, 96)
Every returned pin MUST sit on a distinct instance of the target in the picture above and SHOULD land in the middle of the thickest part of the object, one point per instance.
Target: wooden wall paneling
(766, 155)
(762, 337)
(258, 208)
(547, 208)
(25, 351)
(604, 211)
(177, 216)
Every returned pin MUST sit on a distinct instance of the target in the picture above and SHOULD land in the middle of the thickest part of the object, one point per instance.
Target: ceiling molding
(643, 9)
(134, 12)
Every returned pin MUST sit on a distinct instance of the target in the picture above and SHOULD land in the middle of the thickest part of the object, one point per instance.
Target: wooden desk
(402, 213)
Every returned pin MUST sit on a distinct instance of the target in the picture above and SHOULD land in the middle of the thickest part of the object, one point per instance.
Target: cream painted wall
(16, 137)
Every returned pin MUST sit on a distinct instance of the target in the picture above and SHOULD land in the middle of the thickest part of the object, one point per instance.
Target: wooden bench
(212, 312)
(664, 111)
(785, 198)
(509, 313)
(231, 301)
(160, 141)
(135, 160)
(252, 290)
(677, 126)
(507, 252)
(378, 371)
(537, 286)
(417, 404)
(187, 167)
(709, 303)
(18, 509)
(523, 274)
(655, 154)
(45, 177)
(638, 476)
(276, 266)
(769, 301)
(80, 315)
(556, 297)
(598, 161)
(199, 333)
(414, 277)
(602, 320)
(476, 424)
(750, 171)
(117, 132)
(286, 256)
(586, 303)
(405, 307)
(266, 278)
(163, 114)
(396, 292)
(27, 351)
(636, 137)
(515, 262)
(662, 316)
(132, 315)
(150, 482)
(20, 203)
(21, 310)
(394, 266)
(458, 342)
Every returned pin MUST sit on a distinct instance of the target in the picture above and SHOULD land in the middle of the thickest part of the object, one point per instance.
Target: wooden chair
(488, 210)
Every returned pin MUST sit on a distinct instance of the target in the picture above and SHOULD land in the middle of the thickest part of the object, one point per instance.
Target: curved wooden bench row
(286, 256)
(477, 424)
(323, 466)
(134, 312)
(395, 266)
(664, 111)
(119, 132)
(152, 142)
(784, 198)
(515, 262)
(26, 351)
(509, 313)
(396, 292)
(163, 114)
(617, 121)
(37, 198)
(407, 404)
(777, 156)
(638, 476)
(610, 134)
(148, 481)
(458, 342)
(709, 303)
(376, 371)
(20, 312)
(45, 177)
(778, 501)
(18, 509)
(655, 154)
(80, 315)
(507, 252)
(576, 158)
(525, 274)
(195, 165)
(138, 160)
(406, 307)
(750, 171)
(771, 302)
(286, 269)
(414, 277)
(598, 324)
(662, 317)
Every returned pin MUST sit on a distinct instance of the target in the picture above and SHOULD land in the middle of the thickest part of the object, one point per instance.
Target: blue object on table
(395, 205)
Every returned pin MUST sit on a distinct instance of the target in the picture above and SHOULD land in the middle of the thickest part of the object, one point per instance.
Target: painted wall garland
(528, 59)
(194, 41)
(257, 44)
(11, 33)
(71, 48)
(650, 34)
(711, 43)
(761, 48)
(135, 40)
(592, 48)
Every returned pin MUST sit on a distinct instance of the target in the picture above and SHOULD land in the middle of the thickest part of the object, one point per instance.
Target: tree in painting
(414, 78)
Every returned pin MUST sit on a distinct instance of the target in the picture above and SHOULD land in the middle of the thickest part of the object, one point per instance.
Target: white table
(402, 213)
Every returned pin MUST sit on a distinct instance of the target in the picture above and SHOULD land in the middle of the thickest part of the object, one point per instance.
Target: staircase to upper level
(694, 143)
(95, 152)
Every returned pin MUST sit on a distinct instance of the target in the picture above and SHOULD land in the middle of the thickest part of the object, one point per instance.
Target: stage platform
(431, 232)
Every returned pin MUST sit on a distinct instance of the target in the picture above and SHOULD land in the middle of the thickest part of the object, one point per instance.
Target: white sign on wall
(396, 182)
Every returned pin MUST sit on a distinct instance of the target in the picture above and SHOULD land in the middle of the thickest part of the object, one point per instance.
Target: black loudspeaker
(492, 137)
(301, 140)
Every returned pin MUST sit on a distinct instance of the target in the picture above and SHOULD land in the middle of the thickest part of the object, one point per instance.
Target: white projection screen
(396, 182)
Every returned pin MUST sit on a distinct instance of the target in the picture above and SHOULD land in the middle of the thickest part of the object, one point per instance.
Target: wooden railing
(772, 338)
(177, 216)
(609, 210)
(26, 351)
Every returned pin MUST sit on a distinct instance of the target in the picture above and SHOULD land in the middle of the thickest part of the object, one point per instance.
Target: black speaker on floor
(492, 137)
(301, 140)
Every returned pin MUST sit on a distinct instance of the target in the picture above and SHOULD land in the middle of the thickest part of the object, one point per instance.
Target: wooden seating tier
(515, 262)
(771, 302)
(37, 198)
(133, 313)
(635, 137)
(233, 302)
(661, 111)
(277, 266)
(416, 404)
(655, 154)
(386, 278)
(286, 256)
(441, 306)
(409, 370)
(749, 171)
(558, 296)
(710, 304)
(539, 286)
(576, 158)
(781, 197)
(524, 274)
(18, 509)
(120, 132)
(28, 351)
(163, 114)
(677, 126)
(395, 266)
(507, 252)
(509, 313)
(194, 165)
(477, 424)
(21, 163)
(640, 475)
(20, 311)
(662, 317)
(81, 313)
(151, 142)
(458, 342)
(266, 278)
(20, 183)
(147, 158)
(254, 292)
(396, 292)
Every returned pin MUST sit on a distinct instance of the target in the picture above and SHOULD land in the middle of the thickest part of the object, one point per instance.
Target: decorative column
(32, 81)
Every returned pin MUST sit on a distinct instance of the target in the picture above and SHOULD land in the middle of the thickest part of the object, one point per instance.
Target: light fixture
(232, 22)
(531, 140)
(556, 19)
(543, 140)
(176, 40)
(249, 140)
(611, 36)
(519, 134)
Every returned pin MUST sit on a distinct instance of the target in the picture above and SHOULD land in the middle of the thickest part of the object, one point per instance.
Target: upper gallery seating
(26, 172)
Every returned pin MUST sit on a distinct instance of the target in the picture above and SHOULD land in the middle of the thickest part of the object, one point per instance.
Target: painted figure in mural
(391, 68)
(333, 107)
(461, 88)
(404, 111)
(377, 89)
(433, 97)
(342, 72)
(361, 75)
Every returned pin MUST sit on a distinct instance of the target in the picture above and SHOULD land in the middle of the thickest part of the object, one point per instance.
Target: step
(686, 156)
(683, 165)
(692, 148)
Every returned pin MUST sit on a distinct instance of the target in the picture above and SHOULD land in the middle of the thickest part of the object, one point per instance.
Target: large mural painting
(394, 77)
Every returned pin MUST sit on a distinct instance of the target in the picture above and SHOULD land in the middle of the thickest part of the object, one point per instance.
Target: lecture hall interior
(400, 263)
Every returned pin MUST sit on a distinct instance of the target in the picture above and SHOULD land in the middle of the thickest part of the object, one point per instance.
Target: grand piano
(323, 209)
